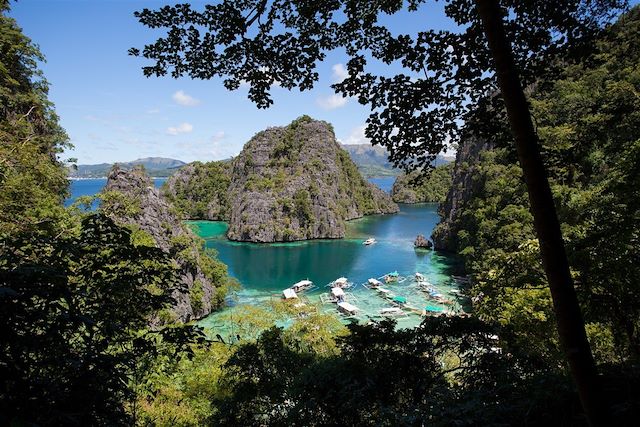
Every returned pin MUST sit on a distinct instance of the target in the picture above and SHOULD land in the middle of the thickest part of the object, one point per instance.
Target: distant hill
(155, 166)
(372, 160)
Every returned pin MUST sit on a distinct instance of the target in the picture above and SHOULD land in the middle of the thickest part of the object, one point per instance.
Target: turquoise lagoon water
(264, 270)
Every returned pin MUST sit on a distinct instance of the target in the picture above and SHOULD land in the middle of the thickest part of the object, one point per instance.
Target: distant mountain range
(155, 166)
(371, 161)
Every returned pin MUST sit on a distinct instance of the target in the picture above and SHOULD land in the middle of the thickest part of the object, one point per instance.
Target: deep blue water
(90, 187)
(384, 182)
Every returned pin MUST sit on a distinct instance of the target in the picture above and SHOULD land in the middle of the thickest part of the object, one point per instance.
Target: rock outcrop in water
(422, 242)
(288, 183)
(462, 189)
(131, 199)
(297, 183)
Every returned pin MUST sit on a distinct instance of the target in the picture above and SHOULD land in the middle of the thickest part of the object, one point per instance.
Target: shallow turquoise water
(264, 270)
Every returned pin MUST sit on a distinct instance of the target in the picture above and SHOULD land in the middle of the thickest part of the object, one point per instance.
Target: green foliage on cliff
(199, 190)
(352, 183)
(32, 182)
(414, 188)
(78, 292)
(589, 125)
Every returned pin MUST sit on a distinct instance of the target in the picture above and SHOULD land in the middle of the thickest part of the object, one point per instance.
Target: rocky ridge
(131, 199)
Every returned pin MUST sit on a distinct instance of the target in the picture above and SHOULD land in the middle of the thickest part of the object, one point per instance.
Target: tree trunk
(565, 302)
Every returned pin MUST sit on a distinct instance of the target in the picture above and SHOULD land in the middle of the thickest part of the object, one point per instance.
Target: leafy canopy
(414, 113)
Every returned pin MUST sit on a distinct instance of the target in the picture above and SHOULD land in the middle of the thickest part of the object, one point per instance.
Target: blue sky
(113, 113)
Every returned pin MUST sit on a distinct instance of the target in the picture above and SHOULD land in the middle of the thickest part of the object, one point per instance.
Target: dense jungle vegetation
(77, 290)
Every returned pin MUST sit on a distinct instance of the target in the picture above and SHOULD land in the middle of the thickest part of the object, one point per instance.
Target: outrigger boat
(341, 282)
(401, 302)
(303, 285)
(433, 309)
(420, 278)
(369, 241)
(435, 295)
(347, 308)
(374, 283)
(393, 277)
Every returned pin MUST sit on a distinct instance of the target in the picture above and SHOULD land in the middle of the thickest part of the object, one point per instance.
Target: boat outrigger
(369, 241)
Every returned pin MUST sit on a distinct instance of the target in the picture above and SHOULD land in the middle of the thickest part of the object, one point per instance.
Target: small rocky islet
(287, 184)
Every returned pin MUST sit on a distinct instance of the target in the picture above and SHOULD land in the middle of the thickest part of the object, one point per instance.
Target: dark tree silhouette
(500, 47)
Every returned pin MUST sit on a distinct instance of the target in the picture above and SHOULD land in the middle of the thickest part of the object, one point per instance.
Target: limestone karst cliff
(288, 183)
(131, 199)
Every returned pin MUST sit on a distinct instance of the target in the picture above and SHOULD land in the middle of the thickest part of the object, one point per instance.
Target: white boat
(374, 283)
(337, 292)
(348, 309)
(420, 278)
(369, 241)
(341, 282)
(303, 285)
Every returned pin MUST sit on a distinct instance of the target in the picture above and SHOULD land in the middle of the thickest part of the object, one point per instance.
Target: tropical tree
(500, 46)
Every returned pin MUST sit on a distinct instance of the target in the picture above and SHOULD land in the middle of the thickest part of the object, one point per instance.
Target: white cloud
(181, 128)
(219, 136)
(332, 102)
(186, 100)
(339, 73)
(356, 136)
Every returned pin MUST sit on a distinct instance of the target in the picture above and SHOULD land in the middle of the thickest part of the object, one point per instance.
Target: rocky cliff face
(131, 199)
(430, 189)
(296, 183)
(462, 189)
(199, 190)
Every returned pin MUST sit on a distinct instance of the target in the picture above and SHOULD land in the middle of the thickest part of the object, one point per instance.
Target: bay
(265, 270)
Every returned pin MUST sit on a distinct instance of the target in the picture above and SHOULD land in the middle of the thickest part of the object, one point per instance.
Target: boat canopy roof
(303, 283)
(401, 300)
(374, 282)
(393, 274)
(345, 306)
(341, 280)
(289, 294)
(434, 308)
(337, 292)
